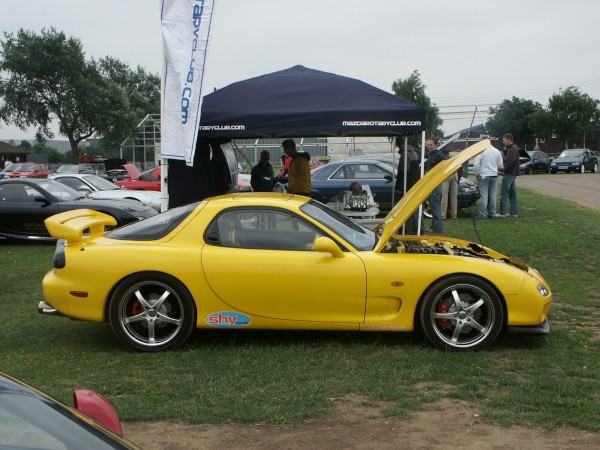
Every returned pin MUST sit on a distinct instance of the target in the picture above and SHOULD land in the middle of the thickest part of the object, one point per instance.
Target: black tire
(582, 168)
(553, 171)
(530, 170)
(595, 168)
(461, 313)
(152, 312)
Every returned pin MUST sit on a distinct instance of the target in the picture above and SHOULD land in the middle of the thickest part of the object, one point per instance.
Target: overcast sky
(469, 52)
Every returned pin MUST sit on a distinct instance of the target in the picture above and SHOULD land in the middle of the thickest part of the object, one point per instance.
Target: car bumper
(531, 330)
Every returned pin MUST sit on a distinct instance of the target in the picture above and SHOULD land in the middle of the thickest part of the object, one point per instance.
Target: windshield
(11, 167)
(68, 169)
(23, 168)
(59, 190)
(360, 237)
(100, 183)
(571, 153)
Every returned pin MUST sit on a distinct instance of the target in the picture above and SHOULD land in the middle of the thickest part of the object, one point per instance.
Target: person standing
(299, 170)
(512, 169)
(262, 178)
(450, 192)
(486, 167)
(435, 200)
(413, 173)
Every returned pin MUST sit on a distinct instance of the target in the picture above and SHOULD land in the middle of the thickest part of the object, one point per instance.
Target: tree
(573, 114)
(143, 95)
(413, 90)
(49, 79)
(514, 116)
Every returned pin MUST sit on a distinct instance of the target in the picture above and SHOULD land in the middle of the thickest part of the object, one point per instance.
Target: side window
(262, 229)
(73, 183)
(369, 172)
(15, 193)
(345, 172)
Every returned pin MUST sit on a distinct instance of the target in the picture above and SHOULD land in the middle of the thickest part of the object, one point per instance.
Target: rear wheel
(461, 313)
(152, 312)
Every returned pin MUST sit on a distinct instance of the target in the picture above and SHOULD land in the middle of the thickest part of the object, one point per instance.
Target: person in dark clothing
(262, 178)
(413, 160)
(413, 173)
(435, 200)
(512, 169)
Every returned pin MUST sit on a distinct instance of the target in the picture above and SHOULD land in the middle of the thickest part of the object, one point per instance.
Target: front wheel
(582, 168)
(595, 168)
(461, 313)
(152, 312)
(530, 170)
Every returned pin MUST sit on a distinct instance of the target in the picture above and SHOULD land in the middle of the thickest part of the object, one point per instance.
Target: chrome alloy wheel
(462, 314)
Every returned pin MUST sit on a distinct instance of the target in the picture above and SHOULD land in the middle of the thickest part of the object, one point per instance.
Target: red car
(286, 160)
(145, 181)
(28, 170)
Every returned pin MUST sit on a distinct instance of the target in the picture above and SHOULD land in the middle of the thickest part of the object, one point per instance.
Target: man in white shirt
(486, 166)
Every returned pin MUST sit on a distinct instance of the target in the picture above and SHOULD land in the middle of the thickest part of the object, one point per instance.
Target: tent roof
(305, 102)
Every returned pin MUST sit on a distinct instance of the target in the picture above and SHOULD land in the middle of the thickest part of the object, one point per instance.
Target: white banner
(186, 28)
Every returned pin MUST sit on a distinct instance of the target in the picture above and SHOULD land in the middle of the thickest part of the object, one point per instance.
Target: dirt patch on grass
(358, 424)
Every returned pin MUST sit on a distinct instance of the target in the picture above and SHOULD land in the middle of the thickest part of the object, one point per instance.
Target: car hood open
(422, 190)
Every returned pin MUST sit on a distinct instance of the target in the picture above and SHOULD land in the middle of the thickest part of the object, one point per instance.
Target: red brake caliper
(136, 308)
(443, 323)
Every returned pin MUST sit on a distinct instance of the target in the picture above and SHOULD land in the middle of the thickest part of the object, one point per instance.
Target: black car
(26, 202)
(331, 179)
(534, 161)
(575, 160)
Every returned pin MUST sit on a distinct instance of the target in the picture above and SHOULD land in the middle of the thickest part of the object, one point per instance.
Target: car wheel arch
(149, 273)
(152, 275)
(417, 320)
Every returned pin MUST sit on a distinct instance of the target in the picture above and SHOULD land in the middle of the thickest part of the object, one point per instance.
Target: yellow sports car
(283, 261)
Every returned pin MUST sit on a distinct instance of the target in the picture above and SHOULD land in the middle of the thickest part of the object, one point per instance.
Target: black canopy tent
(294, 102)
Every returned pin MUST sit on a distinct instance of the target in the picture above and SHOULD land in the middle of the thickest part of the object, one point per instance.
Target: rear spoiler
(70, 225)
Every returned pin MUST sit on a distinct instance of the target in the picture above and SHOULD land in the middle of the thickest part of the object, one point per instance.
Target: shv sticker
(228, 319)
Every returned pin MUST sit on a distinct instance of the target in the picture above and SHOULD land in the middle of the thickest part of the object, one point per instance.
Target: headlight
(542, 290)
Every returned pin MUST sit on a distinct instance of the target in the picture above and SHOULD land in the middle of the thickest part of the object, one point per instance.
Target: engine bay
(421, 246)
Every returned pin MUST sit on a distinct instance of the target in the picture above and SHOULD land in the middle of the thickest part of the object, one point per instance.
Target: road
(580, 188)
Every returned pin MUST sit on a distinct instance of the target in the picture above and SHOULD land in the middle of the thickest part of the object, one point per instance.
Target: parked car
(535, 161)
(26, 202)
(205, 264)
(34, 419)
(313, 162)
(28, 170)
(94, 186)
(8, 168)
(575, 160)
(145, 181)
(329, 180)
(75, 168)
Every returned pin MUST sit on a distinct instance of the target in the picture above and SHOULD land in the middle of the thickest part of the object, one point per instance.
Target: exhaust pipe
(47, 309)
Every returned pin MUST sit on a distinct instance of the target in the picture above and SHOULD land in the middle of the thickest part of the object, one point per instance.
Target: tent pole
(164, 193)
(422, 173)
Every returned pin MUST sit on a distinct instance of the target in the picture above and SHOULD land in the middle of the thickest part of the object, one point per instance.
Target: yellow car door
(262, 262)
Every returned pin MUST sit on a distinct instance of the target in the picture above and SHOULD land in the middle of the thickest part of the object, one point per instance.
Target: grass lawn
(281, 377)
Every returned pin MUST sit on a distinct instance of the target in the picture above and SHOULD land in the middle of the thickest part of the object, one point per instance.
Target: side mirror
(326, 245)
(97, 408)
(40, 199)
(388, 177)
